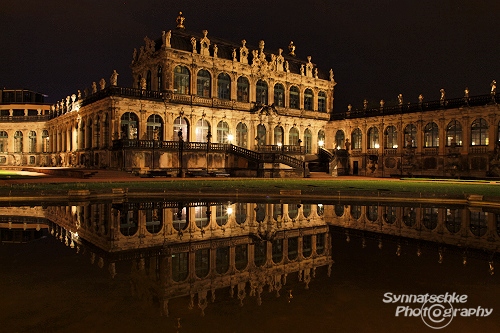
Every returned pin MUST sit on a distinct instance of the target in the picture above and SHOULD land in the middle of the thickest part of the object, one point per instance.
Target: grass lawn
(330, 187)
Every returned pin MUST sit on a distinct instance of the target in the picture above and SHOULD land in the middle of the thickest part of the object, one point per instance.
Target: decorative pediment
(243, 52)
(204, 44)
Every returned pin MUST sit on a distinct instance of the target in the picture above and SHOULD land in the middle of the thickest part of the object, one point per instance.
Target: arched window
(391, 137)
(129, 124)
(431, 135)
(321, 138)
(372, 213)
(278, 212)
(306, 210)
(410, 136)
(278, 135)
(279, 95)
(308, 99)
(201, 216)
(260, 212)
(409, 216)
(18, 142)
(293, 248)
(242, 135)
(203, 83)
(154, 220)
(222, 132)
(241, 212)
(154, 128)
(182, 79)
(261, 135)
(180, 218)
(339, 210)
(241, 256)
(202, 262)
(430, 219)
(478, 223)
(339, 139)
(221, 215)
(222, 259)
(45, 141)
(294, 98)
(202, 130)
(454, 133)
(224, 86)
(453, 220)
(97, 132)
(32, 143)
(148, 80)
(356, 139)
(277, 249)
(180, 266)
(389, 214)
(355, 211)
(321, 101)
(479, 132)
(242, 86)
(159, 79)
(293, 139)
(261, 92)
(308, 141)
(4, 143)
(373, 140)
(180, 124)
(293, 211)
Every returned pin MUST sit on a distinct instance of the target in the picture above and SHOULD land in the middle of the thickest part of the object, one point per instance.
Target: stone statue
(180, 21)
(287, 66)
(234, 54)
(331, 74)
(420, 99)
(466, 93)
(193, 42)
(302, 69)
(166, 38)
(349, 108)
(94, 87)
(443, 94)
(493, 88)
(216, 49)
(316, 73)
(79, 95)
(114, 78)
(102, 83)
(347, 144)
(143, 83)
(382, 103)
(291, 48)
(400, 99)
(365, 104)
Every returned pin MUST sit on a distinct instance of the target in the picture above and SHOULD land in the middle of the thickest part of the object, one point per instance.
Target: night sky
(377, 49)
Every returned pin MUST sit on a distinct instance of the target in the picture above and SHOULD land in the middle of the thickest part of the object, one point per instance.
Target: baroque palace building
(201, 105)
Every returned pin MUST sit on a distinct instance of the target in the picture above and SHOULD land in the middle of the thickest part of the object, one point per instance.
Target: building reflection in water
(192, 249)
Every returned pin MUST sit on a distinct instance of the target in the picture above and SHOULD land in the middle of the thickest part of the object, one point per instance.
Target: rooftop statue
(180, 21)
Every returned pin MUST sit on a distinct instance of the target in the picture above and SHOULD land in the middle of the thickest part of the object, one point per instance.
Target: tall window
(339, 139)
(148, 80)
(321, 101)
(373, 140)
(321, 138)
(261, 92)
(410, 136)
(45, 141)
(222, 132)
(454, 133)
(391, 137)
(294, 98)
(18, 142)
(202, 129)
(182, 78)
(32, 142)
(479, 132)
(261, 135)
(154, 127)
(293, 137)
(308, 100)
(431, 135)
(129, 124)
(203, 83)
(308, 141)
(4, 142)
(356, 139)
(97, 132)
(242, 135)
(242, 86)
(278, 135)
(279, 95)
(159, 78)
(180, 124)
(224, 86)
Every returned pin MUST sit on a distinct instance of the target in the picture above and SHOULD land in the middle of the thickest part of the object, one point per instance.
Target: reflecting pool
(269, 265)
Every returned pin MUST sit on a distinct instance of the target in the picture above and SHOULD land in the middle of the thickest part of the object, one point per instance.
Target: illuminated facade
(201, 105)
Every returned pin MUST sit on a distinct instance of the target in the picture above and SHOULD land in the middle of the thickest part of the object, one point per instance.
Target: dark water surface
(55, 281)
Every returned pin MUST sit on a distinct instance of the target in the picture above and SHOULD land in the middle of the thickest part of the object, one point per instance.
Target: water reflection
(179, 249)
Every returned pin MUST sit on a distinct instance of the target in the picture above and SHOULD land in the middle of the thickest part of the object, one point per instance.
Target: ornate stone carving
(291, 49)
(243, 52)
(309, 67)
(280, 61)
(166, 36)
(204, 44)
(113, 80)
(180, 21)
(193, 42)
